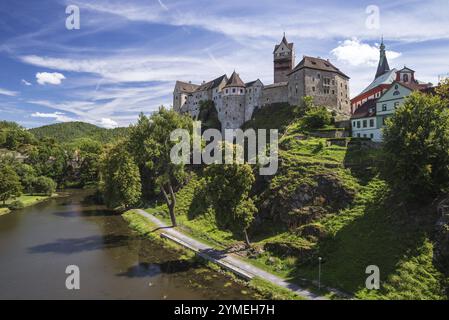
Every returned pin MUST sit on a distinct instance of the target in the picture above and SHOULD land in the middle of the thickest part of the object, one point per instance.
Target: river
(38, 243)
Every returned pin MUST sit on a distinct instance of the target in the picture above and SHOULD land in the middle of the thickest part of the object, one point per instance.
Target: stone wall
(275, 94)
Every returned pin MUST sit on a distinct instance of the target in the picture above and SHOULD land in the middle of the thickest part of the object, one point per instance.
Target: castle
(235, 100)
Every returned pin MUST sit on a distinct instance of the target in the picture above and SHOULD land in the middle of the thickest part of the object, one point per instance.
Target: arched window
(405, 78)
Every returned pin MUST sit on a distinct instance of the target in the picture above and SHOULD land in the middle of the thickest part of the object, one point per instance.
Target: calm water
(38, 243)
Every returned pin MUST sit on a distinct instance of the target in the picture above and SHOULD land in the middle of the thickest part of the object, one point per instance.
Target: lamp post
(319, 273)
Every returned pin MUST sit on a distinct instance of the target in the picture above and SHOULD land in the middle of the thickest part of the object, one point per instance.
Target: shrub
(43, 185)
(17, 204)
(317, 117)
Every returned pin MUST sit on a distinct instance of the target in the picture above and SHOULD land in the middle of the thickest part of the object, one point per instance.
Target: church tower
(284, 60)
(383, 66)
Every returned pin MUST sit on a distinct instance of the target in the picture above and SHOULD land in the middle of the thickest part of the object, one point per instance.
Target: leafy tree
(228, 190)
(417, 147)
(43, 185)
(120, 179)
(138, 134)
(26, 174)
(317, 117)
(10, 186)
(85, 152)
(12, 136)
(168, 175)
(443, 89)
(49, 159)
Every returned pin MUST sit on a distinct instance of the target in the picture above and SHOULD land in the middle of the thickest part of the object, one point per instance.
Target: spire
(383, 66)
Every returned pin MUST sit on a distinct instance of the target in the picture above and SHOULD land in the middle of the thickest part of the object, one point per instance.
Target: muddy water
(39, 242)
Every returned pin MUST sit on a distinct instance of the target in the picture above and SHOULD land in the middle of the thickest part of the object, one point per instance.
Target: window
(333, 91)
(358, 135)
(326, 90)
(371, 123)
(358, 124)
(227, 91)
(233, 90)
(365, 123)
(313, 89)
(396, 105)
(371, 136)
(384, 107)
(241, 90)
(405, 78)
(364, 135)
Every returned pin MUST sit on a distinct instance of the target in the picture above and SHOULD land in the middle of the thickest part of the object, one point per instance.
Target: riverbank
(23, 202)
(267, 285)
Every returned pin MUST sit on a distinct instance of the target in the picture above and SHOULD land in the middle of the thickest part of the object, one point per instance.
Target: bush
(43, 185)
(17, 204)
(317, 117)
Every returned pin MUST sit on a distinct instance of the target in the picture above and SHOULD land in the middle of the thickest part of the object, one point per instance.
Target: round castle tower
(233, 103)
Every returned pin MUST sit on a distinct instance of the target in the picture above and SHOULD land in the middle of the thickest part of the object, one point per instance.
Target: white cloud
(108, 123)
(26, 83)
(8, 93)
(356, 53)
(50, 78)
(57, 116)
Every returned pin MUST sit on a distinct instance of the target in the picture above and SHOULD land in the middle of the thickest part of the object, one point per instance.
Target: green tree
(138, 134)
(416, 147)
(43, 185)
(443, 89)
(85, 153)
(168, 175)
(228, 188)
(26, 174)
(10, 186)
(317, 117)
(120, 179)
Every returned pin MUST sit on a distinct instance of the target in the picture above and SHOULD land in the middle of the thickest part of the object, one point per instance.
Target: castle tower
(233, 104)
(283, 60)
(383, 66)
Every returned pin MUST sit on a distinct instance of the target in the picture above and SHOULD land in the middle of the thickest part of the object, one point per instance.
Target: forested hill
(69, 131)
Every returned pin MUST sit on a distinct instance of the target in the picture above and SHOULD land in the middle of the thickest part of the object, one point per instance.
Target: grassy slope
(374, 230)
(70, 131)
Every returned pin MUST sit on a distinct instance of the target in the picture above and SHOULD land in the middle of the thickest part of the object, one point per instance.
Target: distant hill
(70, 131)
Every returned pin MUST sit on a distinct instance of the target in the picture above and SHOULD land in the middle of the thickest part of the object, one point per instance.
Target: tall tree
(417, 147)
(120, 178)
(138, 134)
(228, 190)
(10, 186)
(157, 150)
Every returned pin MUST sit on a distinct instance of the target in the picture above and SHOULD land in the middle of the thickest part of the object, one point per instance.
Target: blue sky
(127, 55)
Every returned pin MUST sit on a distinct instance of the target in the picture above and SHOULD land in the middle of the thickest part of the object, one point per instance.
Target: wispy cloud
(8, 93)
(57, 116)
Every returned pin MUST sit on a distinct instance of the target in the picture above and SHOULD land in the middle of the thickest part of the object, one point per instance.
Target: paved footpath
(226, 260)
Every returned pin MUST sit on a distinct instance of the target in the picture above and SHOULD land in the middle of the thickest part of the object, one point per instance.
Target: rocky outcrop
(310, 200)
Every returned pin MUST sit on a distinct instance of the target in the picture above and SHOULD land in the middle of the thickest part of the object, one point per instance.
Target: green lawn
(29, 200)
